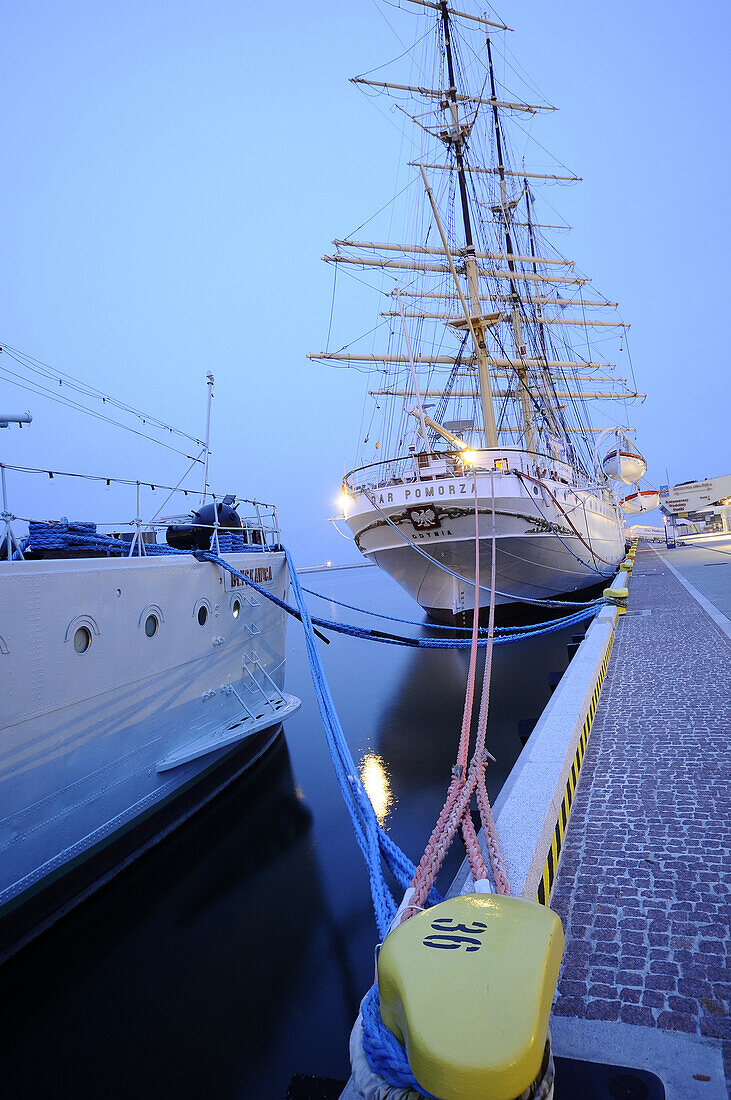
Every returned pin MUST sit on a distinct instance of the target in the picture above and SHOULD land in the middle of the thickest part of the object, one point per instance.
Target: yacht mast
(515, 320)
(456, 139)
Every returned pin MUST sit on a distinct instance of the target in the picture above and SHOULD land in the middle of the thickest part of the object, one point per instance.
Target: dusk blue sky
(172, 173)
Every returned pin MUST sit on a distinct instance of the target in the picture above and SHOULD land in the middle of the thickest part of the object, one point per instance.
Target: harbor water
(235, 953)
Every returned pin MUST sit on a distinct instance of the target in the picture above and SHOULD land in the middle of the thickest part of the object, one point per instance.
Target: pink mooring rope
(467, 780)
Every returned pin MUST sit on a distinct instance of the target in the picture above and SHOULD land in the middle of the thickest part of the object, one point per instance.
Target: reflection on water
(235, 954)
(163, 982)
(420, 720)
(374, 777)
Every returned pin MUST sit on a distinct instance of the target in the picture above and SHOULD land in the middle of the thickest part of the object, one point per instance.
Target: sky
(172, 173)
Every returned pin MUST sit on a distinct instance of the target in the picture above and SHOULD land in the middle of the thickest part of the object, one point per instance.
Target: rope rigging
(65, 381)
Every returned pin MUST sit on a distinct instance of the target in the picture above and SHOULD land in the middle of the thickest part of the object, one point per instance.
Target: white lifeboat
(623, 464)
(642, 501)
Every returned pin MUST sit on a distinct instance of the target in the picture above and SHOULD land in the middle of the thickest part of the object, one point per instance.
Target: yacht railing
(259, 520)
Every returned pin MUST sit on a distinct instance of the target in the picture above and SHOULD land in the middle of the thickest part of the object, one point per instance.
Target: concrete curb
(690, 1067)
(532, 810)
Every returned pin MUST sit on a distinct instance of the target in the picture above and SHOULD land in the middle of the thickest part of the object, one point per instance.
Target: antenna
(209, 383)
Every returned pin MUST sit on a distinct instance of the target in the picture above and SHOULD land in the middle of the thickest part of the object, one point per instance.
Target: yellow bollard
(615, 593)
(467, 988)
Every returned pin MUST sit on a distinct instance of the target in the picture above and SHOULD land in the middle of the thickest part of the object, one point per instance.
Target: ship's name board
(259, 575)
(426, 492)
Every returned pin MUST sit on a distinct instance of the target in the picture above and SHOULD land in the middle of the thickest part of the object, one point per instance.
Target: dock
(617, 815)
(642, 886)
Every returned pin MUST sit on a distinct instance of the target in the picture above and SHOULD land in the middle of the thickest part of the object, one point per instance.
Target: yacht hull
(89, 741)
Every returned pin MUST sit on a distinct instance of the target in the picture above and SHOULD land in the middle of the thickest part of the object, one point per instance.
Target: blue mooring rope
(373, 842)
(385, 1055)
(372, 839)
(371, 635)
(440, 626)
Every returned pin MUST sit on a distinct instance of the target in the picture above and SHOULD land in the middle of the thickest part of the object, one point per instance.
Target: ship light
(470, 458)
(344, 502)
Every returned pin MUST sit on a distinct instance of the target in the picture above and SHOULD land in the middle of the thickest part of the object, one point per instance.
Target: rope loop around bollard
(371, 1042)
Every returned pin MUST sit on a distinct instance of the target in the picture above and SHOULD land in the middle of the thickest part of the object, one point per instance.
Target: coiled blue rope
(64, 535)
(384, 1052)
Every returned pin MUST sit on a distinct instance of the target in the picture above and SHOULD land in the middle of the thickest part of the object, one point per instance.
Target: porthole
(535, 489)
(202, 615)
(236, 608)
(151, 625)
(82, 639)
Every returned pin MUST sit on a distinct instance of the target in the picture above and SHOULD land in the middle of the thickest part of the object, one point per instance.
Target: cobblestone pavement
(644, 879)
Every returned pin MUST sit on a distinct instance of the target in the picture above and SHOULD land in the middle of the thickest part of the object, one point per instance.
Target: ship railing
(259, 519)
(428, 465)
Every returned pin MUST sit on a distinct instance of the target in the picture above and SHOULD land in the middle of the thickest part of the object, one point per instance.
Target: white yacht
(137, 680)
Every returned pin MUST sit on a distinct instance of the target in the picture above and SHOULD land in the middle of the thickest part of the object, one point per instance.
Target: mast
(515, 320)
(550, 390)
(209, 383)
(552, 411)
(470, 261)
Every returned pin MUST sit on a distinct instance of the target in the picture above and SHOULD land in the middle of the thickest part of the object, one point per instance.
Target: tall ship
(138, 679)
(486, 363)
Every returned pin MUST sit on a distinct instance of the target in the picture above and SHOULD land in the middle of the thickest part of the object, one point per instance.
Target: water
(235, 954)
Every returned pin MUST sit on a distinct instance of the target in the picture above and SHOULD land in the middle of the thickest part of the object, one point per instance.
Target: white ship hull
(552, 538)
(93, 742)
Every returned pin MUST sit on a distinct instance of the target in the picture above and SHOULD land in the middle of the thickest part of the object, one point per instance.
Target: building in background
(702, 505)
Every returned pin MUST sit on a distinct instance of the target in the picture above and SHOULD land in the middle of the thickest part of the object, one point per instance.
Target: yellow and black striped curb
(549, 870)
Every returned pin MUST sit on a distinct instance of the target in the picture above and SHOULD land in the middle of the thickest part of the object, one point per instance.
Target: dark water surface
(235, 954)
